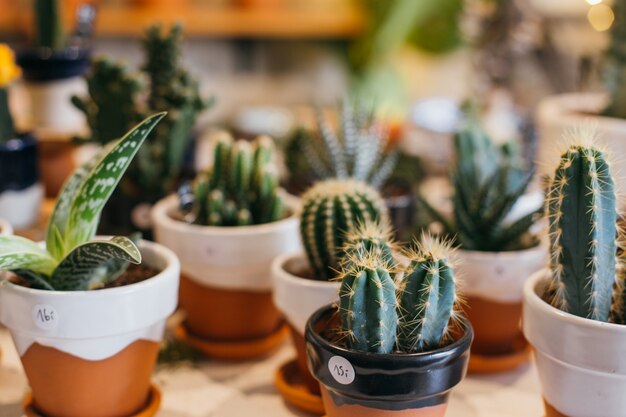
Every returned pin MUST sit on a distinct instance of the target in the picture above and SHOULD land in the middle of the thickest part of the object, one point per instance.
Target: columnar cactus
(329, 210)
(49, 28)
(581, 206)
(242, 186)
(368, 305)
(369, 237)
(427, 297)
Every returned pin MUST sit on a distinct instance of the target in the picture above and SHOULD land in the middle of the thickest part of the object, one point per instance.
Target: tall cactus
(369, 237)
(368, 305)
(615, 63)
(330, 209)
(49, 29)
(427, 297)
(242, 186)
(581, 205)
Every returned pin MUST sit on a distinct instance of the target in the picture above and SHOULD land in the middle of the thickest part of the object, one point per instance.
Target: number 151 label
(341, 370)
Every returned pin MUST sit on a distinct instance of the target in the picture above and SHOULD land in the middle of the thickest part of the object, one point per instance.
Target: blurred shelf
(304, 20)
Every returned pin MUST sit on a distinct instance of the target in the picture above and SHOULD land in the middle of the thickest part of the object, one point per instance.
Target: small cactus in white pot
(577, 302)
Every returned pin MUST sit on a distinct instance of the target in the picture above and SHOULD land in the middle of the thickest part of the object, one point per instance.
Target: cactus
(369, 237)
(242, 186)
(427, 297)
(330, 209)
(367, 299)
(615, 63)
(582, 212)
(48, 18)
(488, 181)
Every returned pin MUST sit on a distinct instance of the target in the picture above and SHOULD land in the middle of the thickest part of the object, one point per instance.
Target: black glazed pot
(369, 384)
(18, 163)
(41, 65)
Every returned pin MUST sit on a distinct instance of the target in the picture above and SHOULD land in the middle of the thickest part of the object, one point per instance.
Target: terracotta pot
(378, 385)
(56, 163)
(226, 289)
(107, 340)
(580, 362)
(5, 228)
(297, 298)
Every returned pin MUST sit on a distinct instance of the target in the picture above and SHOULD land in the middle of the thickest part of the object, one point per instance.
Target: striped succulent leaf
(20, 253)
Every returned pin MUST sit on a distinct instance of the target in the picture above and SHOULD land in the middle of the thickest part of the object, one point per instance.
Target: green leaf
(98, 186)
(20, 253)
(88, 266)
(36, 280)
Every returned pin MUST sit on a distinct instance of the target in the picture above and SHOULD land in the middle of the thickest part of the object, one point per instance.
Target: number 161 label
(341, 370)
(45, 316)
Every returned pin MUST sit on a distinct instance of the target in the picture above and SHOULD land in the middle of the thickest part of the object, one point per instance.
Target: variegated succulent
(72, 259)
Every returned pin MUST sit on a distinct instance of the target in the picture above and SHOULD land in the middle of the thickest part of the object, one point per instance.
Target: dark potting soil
(133, 275)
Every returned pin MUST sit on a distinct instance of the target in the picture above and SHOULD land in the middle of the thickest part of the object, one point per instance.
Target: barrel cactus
(242, 186)
(582, 214)
(330, 209)
(427, 297)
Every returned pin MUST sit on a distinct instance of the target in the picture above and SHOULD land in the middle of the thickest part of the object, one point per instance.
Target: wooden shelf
(312, 20)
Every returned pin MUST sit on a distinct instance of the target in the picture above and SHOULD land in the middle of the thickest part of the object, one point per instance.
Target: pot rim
(279, 270)
(502, 254)
(567, 105)
(160, 213)
(19, 142)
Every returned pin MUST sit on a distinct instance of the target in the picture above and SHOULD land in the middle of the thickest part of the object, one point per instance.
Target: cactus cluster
(115, 103)
(330, 209)
(381, 315)
(615, 63)
(487, 180)
(242, 186)
(49, 24)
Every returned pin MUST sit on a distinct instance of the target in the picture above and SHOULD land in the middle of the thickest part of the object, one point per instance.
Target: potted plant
(227, 230)
(391, 348)
(116, 102)
(574, 310)
(74, 307)
(335, 213)
(19, 174)
(492, 222)
(605, 110)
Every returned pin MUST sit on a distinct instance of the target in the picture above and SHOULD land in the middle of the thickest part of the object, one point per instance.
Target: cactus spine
(49, 24)
(427, 297)
(368, 305)
(242, 187)
(369, 238)
(330, 209)
(582, 213)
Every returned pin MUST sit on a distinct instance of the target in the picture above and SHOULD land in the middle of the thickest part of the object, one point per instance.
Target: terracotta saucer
(485, 364)
(293, 390)
(239, 350)
(150, 410)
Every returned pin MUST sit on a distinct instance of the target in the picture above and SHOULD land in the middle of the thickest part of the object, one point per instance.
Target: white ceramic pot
(296, 297)
(581, 362)
(5, 228)
(51, 109)
(21, 208)
(557, 114)
(232, 258)
(94, 325)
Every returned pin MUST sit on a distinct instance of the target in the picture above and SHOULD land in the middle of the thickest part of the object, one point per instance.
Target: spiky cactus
(581, 206)
(242, 186)
(615, 63)
(330, 209)
(427, 297)
(368, 305)
(49, 24)
(369, 237)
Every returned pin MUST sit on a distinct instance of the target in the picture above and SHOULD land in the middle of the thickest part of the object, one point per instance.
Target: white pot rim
(5, 228)
(573, 106)
(505, 254)
(278, 265)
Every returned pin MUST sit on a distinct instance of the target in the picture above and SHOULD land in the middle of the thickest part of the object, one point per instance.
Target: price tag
(341, 370)
(45, 316)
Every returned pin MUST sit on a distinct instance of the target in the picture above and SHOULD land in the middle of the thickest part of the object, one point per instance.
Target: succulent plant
(359, 151)
(369, 237)
(582, 214)
(159, 164)
(9, 71)
(242, 186)
(615, 63)
(427, 297)
(49, 24)
(73, 259)
(329, 210)
(488, 180)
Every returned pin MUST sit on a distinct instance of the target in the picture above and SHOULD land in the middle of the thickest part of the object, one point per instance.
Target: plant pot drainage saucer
(293, 390)
(153, 405)
(484, 364)
(238, 350)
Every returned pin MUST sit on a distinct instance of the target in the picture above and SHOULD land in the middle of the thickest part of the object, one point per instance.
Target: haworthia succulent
(20, 253)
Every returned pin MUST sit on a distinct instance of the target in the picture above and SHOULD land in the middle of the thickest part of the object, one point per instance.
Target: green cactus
(369, 237)
(367, 299)
(49, 24)
(242, 186)
(427, 297)
(488, 180)
(581, 205)
(330, 209)
(615, 63)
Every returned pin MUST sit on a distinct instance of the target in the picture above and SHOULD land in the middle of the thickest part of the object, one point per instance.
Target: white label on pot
(341, 370)
(45, 316)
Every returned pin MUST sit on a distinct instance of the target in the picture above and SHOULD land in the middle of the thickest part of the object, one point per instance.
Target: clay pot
(378, 385)
(226, 285)
(56, 162)
(580, 362)
(106, 340)
(298, 297)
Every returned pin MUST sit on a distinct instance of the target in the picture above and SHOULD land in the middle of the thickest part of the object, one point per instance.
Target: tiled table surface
(221, 389)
